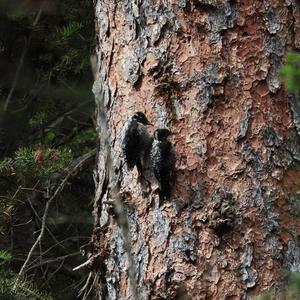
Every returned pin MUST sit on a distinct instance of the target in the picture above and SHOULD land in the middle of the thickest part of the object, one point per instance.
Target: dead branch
(21, 62)
(54, 260)
(53, 246)
(90, 263)
(72, 170)
(85, 285)
(47, 228)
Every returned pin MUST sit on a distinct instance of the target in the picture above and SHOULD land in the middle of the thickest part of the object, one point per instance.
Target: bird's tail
(165, 191)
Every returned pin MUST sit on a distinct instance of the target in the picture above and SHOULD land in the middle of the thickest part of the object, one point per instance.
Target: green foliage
(25, 165)
(265, 296)
(11, 289)
(294, 287)
(6, 167)
(290, 72)
(41, 162)
(71, 43)
(56, 73)
(4, 257)
(70, 30)
(50, 136)
(84, 140)
(47, 124)
(291, 292)
(38, 119)
(36, 163)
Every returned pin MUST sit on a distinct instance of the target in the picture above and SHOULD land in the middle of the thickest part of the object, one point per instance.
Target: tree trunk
(209, 71)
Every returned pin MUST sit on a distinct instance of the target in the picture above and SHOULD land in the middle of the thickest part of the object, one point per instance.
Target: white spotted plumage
(163, 160)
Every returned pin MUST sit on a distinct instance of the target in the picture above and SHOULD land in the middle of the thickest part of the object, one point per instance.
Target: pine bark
(209, 71)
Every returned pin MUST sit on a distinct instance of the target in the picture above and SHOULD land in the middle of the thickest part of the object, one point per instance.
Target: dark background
(46, 123)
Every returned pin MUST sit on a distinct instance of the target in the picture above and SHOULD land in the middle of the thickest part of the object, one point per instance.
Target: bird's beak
(150, 124)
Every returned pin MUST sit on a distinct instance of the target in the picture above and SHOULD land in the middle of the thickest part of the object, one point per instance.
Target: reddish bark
(208, 70)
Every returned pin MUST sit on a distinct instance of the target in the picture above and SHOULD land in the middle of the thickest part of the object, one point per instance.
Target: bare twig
(52, 274)
(53, 246)
(43, 226)
(32, 190)
(86, 284)
(16, 193)
(89, 263)
(54, 260)
(75, 166)
(61, 118)
(21, 62)
(16, 78)
(49, 231)
(87, 292)
(22, 224)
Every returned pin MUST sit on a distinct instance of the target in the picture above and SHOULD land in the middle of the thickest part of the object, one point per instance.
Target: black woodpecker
(136, 142)
(163, 161)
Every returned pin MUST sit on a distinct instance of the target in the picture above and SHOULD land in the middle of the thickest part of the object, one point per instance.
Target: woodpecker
(163, 161)
(136, 142)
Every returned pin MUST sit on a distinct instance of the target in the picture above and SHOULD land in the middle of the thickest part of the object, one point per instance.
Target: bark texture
(207, 70)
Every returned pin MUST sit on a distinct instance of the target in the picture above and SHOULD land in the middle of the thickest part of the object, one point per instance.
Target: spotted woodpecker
(163, 161)
(136, 142)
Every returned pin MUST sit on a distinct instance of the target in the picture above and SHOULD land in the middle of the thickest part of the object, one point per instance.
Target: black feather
(163, 162)
(135, 142)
